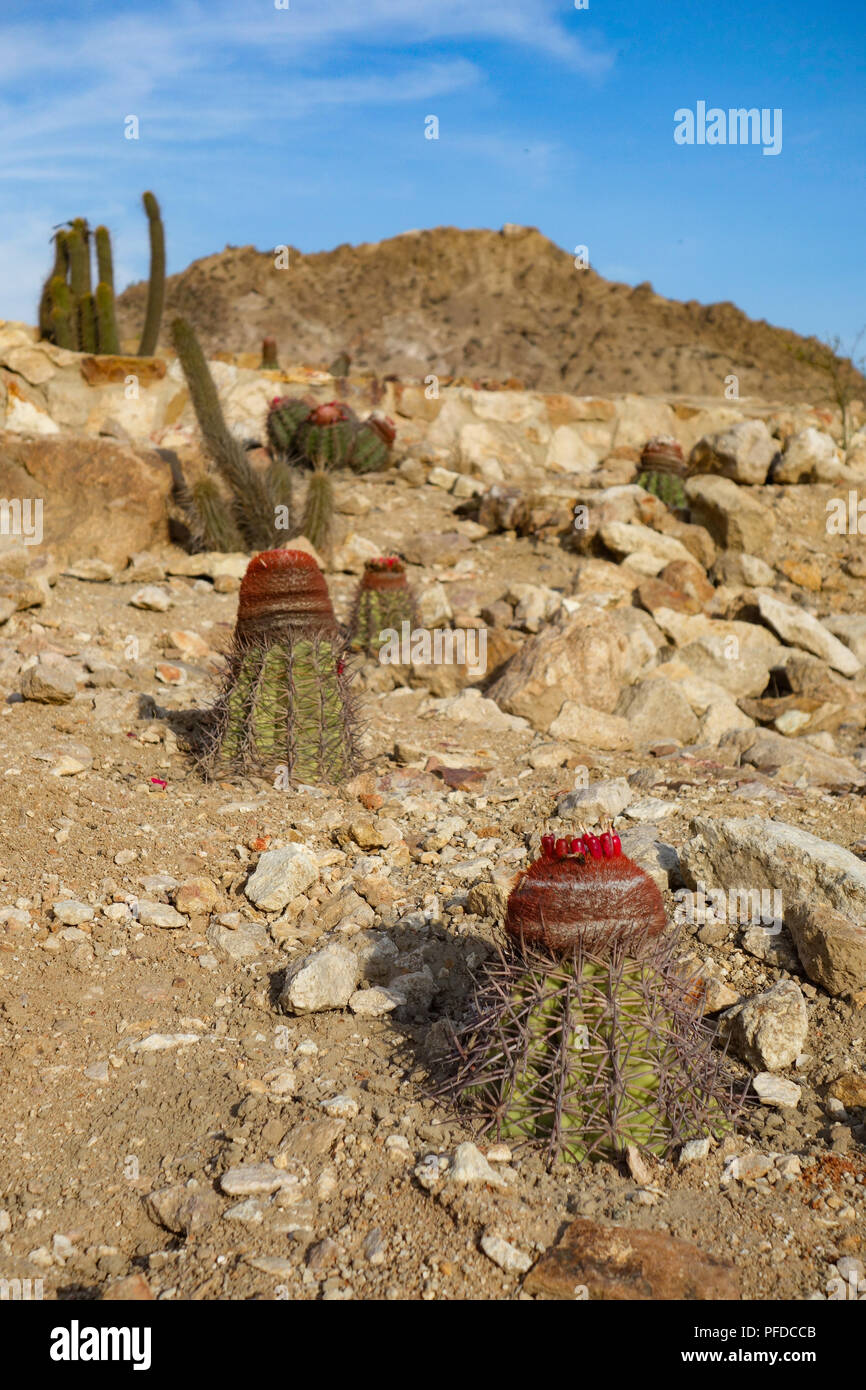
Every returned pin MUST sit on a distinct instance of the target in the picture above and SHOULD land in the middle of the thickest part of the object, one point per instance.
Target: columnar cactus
(72, 314)
(156, 281)
(286, 709)
(383, 600)
(251, 502)
(663, 469)
(584, 1038)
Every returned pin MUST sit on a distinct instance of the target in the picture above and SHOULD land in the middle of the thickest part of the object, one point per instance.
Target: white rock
(693, 1151)
(280, 876)
(776, 1091)
(153, 598)
(798, 627)
(72, 913)
(162, 1042)
(253, 1179)
(325, 979)
(505, 1255)
(340, 1107)
(155, 914)
(470, 1166)
(375, 1002)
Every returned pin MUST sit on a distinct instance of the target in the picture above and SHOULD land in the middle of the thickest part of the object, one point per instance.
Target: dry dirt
(81, 1153)
(481, 304)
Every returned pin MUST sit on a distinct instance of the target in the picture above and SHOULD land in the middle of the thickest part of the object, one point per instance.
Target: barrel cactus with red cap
(662, 470)
(383, 600)
(286, 702)
(583, 1036)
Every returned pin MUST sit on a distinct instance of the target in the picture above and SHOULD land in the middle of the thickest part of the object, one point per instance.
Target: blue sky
(306, 126)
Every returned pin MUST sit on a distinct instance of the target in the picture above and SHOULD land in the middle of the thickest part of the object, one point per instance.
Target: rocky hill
(506, 304)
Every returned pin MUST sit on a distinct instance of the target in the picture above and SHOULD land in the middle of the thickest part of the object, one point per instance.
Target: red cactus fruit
(385, 573)
(567, 901)
(328, 414)
(384, 427)
(284, 587)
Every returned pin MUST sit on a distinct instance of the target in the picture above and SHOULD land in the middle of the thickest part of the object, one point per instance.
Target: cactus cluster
(662, 470)
(328, 436)
(320, 439)
(233, 506)
(72, 313)
(285, 708)
(584, 1038)
(383, 600)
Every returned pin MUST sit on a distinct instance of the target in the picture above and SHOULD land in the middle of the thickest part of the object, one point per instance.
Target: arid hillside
(485, 304)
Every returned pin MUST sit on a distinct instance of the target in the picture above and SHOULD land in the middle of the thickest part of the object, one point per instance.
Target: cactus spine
(285, 707)
(583, 1037)
(156, 283)
(663, 469)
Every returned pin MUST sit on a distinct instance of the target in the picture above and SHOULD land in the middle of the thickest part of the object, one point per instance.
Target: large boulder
(99, 498)
(583, 660)
(743, 452)
(735, 519)
(811, 456)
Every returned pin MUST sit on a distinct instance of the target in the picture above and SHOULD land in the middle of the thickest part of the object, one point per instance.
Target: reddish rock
(99, 371)
(617, 1264)
(132, 1289)
(100, 499)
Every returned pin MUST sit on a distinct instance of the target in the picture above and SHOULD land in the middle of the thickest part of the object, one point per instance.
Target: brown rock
(100, 371)
(196, 897)
(850, 1089)
(100, 498)
(690, 579)
(134, 1288)
(655, 593)
(616, 1264)
(831, 946)
(582, 660)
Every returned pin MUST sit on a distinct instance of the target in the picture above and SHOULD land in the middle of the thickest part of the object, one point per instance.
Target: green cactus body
(376, 612)
(78, 244)
(210, 515)
(252, 500)
(87, 336)
(64, 329)
(318, 508)
(584, 1038)
(371, 451)
(156, 283)
(284, 418)
(327, 446)
(285, 707)
(666, 486)
(47, 302)
(106, 323)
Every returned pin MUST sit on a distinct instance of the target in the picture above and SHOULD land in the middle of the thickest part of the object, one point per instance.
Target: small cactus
(269, 362)
(662, 470)
(286, 707)
(383, 600)
(584, 1038)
